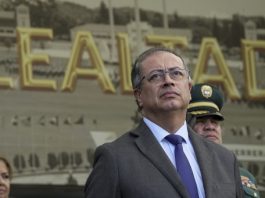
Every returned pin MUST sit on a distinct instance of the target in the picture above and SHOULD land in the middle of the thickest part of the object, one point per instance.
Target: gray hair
(136, 68)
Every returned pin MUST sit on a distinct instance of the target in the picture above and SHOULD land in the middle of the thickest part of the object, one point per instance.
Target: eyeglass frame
(163, 73)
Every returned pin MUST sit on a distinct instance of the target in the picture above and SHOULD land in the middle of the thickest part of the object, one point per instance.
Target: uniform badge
(206, 91)
(248, 183)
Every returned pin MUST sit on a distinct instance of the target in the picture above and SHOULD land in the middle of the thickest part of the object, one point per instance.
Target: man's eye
(214, 122)
(155, 76)
(177, 73)
(201, 121)
(5, 176)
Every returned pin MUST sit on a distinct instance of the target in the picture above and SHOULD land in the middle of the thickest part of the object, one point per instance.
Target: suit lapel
(204, 157)
(152, 150)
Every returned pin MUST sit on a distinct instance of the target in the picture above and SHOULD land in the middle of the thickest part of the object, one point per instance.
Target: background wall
(49, 136)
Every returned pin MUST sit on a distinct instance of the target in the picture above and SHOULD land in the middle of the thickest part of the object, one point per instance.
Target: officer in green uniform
(204, 116)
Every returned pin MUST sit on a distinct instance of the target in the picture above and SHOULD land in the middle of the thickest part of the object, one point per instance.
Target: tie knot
(174, 139)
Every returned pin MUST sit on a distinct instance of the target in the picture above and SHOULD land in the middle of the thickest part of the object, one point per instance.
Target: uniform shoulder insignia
(247, 182)
(249, 187)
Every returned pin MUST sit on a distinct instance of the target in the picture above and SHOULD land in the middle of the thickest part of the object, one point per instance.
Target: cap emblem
(206, 91)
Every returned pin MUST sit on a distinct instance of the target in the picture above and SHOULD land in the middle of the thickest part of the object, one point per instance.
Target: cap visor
(216, 116)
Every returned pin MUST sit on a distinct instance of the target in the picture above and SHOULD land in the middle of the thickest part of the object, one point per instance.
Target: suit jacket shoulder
(219, 168)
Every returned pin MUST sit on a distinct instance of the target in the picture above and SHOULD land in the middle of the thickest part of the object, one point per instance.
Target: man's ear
(190, 86)
(137, 95)
(190, 83)
(191, 120)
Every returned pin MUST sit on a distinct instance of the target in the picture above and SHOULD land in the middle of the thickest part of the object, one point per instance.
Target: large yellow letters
(209, 47)
(248, 50)
(84, 41)
(26, 58)
(124, 63)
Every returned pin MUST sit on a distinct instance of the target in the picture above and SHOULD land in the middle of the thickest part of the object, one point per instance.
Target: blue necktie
(183, 165)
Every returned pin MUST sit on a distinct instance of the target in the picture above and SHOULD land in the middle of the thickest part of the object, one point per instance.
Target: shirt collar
(161, 133)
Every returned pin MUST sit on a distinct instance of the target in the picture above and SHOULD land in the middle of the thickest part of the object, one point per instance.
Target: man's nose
(167, 79)
(209, 124)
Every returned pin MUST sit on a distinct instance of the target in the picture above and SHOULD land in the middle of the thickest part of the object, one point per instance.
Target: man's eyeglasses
(157, 76)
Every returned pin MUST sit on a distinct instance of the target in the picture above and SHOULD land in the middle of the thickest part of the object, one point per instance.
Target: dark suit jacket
(136, 166)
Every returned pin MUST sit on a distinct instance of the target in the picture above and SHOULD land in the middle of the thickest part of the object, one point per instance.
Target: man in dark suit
(205, 118)
(142, 163)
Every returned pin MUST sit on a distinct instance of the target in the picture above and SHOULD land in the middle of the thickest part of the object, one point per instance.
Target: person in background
(5, 176)
(205, 117)
(162, 156)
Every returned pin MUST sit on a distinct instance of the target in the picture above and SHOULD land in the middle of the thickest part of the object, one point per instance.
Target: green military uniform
(207, 101)
(249, 184)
